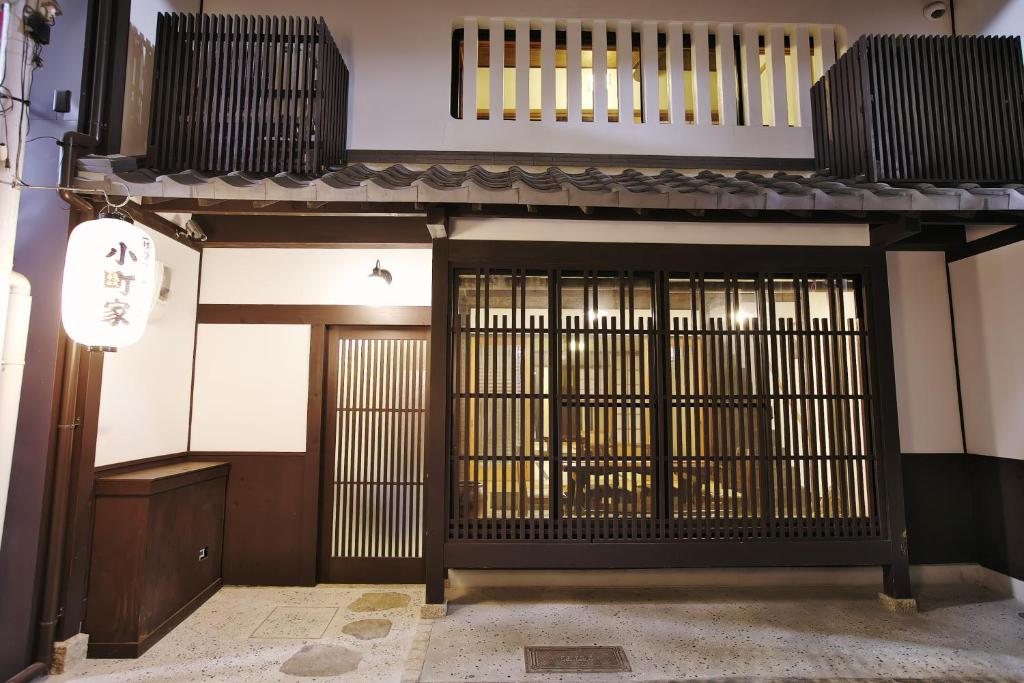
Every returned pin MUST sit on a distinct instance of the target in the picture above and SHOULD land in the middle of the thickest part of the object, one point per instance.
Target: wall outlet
(204, 552)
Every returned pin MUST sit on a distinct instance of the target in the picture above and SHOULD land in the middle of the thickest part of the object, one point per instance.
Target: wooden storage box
(156, 553)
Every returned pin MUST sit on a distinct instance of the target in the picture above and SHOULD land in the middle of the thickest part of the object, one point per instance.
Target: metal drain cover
(583, 660)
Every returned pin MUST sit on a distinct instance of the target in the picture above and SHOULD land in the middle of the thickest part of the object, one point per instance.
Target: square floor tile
(288, 621)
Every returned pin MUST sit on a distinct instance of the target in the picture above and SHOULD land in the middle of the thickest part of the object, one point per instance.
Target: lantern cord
(19, 183)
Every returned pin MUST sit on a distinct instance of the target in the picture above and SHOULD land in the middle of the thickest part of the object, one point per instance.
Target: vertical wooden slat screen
(256, 94)
(922, 109)
(625, 406)
(378, 469)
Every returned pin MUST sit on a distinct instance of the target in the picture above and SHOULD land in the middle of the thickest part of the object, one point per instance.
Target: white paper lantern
(109, 278)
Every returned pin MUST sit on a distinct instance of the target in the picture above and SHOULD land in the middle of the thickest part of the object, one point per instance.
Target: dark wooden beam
(932, 238)
(987, 243)
(282, 314)
(160, 224)
(293, 231)
(240, 207)
(437, 222)
(886, 234)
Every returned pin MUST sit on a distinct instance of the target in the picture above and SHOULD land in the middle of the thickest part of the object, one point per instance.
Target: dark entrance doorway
(375, 410)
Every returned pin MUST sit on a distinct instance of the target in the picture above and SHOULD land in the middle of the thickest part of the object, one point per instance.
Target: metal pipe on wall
(12, 369)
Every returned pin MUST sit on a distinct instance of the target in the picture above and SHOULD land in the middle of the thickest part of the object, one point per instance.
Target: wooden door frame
(333, 335)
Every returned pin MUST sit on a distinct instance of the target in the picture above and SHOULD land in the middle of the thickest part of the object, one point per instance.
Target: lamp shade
(109, 277)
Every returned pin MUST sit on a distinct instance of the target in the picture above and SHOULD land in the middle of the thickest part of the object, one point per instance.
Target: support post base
(898, 605)
(68, 654)
(433, 610)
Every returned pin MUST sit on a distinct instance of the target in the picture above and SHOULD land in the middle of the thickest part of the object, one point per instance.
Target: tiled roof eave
(630, 188)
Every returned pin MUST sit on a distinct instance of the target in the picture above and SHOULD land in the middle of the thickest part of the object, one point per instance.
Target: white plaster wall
(251, 388)
(659, 232)
(139, 69)
(400, 65)
(990, 17)
(145, 394)
(922, 341)
(314, 276)
(989, 318)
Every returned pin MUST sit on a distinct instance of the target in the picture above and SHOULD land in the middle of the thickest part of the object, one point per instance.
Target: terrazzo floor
(294, 634)
(249, 634)
(961, 632)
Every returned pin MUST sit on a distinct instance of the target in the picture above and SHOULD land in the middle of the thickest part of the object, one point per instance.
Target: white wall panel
(989, 317)
(251, 388)
(138, 82)
(401, 70)
(659, 232)
(314, 276)
(144, 399)
(922, 341)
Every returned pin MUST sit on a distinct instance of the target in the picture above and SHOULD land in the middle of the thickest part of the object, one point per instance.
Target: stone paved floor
(961, 632)
(249, 634)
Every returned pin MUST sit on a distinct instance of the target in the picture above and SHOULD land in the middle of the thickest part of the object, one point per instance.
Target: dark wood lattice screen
(661, 406)
(922, 108)
(380, 412)
(246, 93)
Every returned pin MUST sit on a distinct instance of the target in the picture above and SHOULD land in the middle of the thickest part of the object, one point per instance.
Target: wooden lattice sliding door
(659, 406)
(372, 522)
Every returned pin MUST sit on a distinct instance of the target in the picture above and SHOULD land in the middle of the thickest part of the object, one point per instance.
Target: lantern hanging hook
(113, 210)
(127, 197)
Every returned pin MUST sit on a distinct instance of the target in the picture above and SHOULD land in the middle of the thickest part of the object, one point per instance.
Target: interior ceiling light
(382, 273)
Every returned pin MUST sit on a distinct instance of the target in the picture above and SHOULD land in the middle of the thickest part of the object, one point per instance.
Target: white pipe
(12, 369)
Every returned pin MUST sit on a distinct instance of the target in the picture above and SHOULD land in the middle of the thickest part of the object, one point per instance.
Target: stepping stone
(368, 629)
(374, 602)
(321, 660)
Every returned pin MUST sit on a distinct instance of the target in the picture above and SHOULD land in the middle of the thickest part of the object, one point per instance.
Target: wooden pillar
(701, 74)
(599, 51)
(651, 104)
(547, 70)
(435, 488)
(574, 76)
(753, 116)
(522, 70)
(470, 48)
(802, 46)
(896, 574)
(676, 74)
(775, 38)
(726, 62)
(496, 68)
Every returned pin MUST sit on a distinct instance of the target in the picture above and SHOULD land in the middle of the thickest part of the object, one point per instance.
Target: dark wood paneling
(503, 555)
(922, 108)
(966, 508)
(999, 511)
(146, 573)
(223, 230)
(265, 542)
(377, 316)
(241, 93)
(939, 497)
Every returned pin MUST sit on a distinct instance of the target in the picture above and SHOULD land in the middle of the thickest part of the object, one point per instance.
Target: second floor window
(481, 108)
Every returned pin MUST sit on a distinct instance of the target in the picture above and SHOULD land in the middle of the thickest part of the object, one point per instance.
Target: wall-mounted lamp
(380, 276)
